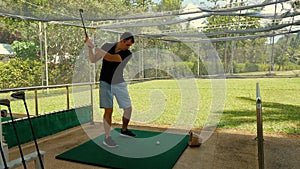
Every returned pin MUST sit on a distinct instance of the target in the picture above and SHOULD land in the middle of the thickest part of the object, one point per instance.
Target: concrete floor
(224, 149)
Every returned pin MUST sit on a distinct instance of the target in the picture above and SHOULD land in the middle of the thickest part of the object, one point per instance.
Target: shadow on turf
(272, 112)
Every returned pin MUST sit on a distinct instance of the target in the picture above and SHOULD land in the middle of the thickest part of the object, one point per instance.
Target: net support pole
(41, 50)
(156, 61)
(273, 41)
(260, 137)
(92, 104)
(46, 56)
(198, 59)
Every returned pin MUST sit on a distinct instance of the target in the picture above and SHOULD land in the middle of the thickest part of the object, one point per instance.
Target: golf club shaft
(33, 135)
(3, 157)
(17, 137)
(86, 35)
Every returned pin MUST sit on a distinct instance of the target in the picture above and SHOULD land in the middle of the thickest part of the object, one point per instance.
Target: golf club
(6, 102)
(3, 157)
(81, 11)
(3, 114)
(21, 95)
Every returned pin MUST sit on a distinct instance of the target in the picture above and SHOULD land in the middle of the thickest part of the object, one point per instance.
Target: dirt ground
(224, 149)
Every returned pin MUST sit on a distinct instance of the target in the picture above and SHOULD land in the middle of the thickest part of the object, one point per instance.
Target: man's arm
(96, 54)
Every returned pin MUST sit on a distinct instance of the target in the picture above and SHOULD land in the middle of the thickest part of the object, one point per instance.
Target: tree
(169, 5)
(235, 51)
(26, 50)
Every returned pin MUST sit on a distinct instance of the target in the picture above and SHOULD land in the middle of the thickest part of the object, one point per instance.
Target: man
(115, 57)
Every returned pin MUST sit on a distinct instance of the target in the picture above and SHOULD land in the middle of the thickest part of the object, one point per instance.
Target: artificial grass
(134, 153)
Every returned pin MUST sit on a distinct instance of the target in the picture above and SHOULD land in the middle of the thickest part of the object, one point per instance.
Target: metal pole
(142, 64)
(156, 61)
(46, 55)
(198, 60)
(260, 137)
(92, 104)
(41, 50)
(273, 41)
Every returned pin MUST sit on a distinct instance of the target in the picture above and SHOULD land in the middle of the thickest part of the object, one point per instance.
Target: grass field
(186, 103)
(281, 103)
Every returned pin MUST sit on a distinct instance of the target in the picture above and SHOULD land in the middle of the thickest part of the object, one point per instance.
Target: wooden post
(36, 102)
(68, 97)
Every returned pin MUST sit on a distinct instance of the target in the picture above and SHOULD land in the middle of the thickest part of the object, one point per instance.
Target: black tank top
(112, 72)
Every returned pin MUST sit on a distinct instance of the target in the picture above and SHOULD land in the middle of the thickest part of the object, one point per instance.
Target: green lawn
(186, 103)
(280, 96)
(281, 104)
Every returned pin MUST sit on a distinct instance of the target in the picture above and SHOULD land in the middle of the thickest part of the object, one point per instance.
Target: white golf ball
(157, 142)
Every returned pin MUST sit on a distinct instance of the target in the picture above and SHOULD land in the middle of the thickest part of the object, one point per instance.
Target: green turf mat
(140, 152)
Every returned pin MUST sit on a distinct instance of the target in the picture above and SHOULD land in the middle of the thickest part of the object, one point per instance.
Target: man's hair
(127, 36)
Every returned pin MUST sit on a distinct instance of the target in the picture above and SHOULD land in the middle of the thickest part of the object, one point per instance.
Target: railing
(67, 86)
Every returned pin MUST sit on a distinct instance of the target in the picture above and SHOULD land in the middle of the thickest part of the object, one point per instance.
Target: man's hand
(97, 53)
(89, 43)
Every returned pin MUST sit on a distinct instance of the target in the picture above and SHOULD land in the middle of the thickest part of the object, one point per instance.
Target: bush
(263, 67)
(238, 68)
(251, 67)
(19, 73)
(26, 50)
(182, 69)
(202, 68)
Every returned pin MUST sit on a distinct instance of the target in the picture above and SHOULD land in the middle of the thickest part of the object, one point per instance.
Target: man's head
(126, 40)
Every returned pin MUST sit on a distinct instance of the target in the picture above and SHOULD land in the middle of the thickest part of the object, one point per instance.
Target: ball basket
(195, 140)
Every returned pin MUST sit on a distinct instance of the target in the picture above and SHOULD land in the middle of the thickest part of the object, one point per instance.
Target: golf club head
(81, 10)
(18, 95)
(3, 113)
(5, 102)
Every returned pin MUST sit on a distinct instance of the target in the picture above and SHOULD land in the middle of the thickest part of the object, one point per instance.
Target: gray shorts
(108, 91)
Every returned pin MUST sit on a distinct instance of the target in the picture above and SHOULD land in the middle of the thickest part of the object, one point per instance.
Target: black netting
(155, 20)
